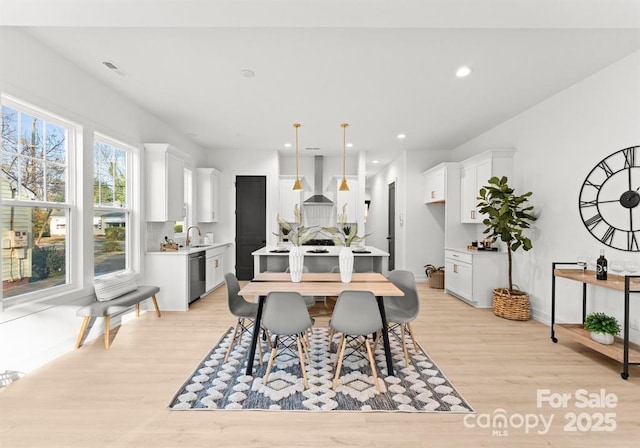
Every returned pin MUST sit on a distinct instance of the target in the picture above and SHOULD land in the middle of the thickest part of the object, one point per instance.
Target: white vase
(345, 261)
(603, 338)
(296, 261)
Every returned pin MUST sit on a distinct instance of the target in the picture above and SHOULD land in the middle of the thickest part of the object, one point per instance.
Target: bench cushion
(114, 286)
(117, 305)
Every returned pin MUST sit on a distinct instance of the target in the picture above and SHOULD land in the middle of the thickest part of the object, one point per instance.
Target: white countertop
(332, 251)
(189, 250)
(475, 252)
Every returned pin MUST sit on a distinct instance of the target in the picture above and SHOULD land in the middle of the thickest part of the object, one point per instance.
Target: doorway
(251, 222)
(391, 219)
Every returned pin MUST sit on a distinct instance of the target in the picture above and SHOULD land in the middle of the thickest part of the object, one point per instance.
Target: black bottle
(601, 266)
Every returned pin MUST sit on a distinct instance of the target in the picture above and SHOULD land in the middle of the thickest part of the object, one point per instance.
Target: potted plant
(298, 234)
(603, 328)
(507, 216)
(344, 235)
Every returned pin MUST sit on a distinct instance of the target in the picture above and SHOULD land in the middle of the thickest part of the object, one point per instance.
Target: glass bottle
(601, 266)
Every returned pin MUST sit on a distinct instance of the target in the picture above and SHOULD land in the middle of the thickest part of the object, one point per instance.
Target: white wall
(242, 163)
(558, 142)
(39, 332)
(420, 237)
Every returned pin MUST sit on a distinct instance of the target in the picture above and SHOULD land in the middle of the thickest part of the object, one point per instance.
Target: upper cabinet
(349, 197)
(475, 174)
(435, 184)
(208, 193)
(289, 198)
(165, 183)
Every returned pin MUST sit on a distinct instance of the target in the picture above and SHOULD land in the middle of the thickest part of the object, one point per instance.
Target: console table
(621, 350)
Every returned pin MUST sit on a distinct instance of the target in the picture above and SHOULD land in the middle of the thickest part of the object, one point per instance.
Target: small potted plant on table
(603, 328)
(298, 234)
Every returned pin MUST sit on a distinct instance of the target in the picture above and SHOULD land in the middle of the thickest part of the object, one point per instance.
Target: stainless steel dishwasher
(197, 275)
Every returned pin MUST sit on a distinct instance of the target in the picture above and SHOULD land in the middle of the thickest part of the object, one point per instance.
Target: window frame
(72, 238)
(131, 211)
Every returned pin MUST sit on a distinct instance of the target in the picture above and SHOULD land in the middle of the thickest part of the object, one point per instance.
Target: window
(37, 200)
(180, 227)
(112, 205)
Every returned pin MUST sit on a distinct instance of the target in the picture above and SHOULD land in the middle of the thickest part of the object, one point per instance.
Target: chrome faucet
(187, 242)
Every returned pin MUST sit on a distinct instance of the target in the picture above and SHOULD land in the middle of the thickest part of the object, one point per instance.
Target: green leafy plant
(297, 233)
(601, 323)
(507, 216)
(344, 234)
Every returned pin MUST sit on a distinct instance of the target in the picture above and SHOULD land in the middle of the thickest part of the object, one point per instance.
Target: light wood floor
(117, 398)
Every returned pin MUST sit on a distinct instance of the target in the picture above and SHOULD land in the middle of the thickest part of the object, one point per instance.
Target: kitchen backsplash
(156, 231)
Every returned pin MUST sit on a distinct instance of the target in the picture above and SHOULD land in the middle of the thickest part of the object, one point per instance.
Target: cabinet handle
(216, 263)
(433, 194)
(473, 214)
(455, 268)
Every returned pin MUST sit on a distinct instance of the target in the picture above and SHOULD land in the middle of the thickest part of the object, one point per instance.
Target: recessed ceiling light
(463, 71)
(374, 161)
(246, 73)
(287, 145)
(349, 145)
(114, 68)
(401, 136)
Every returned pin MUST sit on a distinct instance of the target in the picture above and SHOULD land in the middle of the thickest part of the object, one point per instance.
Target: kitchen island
(320, 259)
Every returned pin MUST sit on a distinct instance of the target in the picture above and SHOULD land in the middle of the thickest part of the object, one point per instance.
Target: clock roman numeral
(588, 203)
(593, 221)
(607, 238)
(632, 242)
(629, 157)
(606, 168)
(591, 184)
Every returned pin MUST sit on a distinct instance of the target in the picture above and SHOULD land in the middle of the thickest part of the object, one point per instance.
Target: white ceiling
(385, 67)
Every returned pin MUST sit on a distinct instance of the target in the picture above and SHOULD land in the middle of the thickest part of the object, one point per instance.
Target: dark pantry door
(251, 224)
(392, 226)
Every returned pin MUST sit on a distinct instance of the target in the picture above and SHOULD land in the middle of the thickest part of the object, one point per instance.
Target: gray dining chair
(243, 310)
(356, 315)
(286, 316)
(401, 311)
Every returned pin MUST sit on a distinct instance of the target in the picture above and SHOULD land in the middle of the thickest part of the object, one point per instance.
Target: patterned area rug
(421, 387)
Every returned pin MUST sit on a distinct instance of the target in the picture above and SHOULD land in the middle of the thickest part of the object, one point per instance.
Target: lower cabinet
(472, 276)
(214, 270)
(172, 273)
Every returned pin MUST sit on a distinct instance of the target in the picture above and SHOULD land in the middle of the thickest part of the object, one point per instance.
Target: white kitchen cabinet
(289, 198)
(472, 275)
(215, 268)
(170, 272)
(164, 183)
(350, 198)
(434, 184)
(475, 173)
(208, 193)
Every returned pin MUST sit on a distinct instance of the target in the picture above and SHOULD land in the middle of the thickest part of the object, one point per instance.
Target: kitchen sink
(200, 245)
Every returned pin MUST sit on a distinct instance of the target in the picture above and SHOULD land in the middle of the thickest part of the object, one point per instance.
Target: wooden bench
(115, 306)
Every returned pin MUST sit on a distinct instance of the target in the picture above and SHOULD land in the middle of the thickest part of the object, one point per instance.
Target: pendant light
(297, 186)
(343, 185)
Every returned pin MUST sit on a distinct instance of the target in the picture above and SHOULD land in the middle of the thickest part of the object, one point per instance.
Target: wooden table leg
(254, 338)
(385, 336)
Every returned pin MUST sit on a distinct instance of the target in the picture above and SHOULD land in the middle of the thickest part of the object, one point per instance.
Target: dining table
(319, 284)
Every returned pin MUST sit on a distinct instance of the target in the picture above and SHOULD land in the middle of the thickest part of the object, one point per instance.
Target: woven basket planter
(512, 305)
(436, 280)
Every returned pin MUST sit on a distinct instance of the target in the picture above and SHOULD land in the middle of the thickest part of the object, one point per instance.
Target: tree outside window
(111, 201)
(34, 168)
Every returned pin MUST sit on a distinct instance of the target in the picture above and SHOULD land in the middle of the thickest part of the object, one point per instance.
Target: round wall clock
(610, 200)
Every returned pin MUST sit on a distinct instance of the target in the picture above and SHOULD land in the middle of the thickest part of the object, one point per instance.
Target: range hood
(318, 198)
